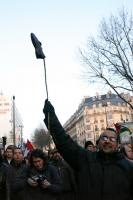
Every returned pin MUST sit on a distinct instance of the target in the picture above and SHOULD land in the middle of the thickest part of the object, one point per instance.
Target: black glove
(48, 110)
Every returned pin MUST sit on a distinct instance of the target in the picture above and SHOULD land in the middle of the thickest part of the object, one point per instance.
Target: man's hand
(45, 184)
(47, 110)
(32, 182)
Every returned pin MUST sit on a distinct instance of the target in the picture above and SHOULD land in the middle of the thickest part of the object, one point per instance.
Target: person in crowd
(43, 179)
(8, 155)
(127, 150)
(50, 155)
(97, 145)
(27, 157)
(6, 177)
(90, 146)
(2, 151)
(20, 175)
(101, 175)
(68, 182)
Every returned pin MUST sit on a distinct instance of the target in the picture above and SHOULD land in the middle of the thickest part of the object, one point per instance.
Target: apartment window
(102, 128)
(108, 103)
(87, 120)
(88, 127)
(93, 98)
(109, 115)
(6, 104)
(121, 118)
(100, 105)
(96, 128)
(95, 121)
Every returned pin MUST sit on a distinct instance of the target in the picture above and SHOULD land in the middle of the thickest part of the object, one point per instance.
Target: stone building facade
(7, 123)
(94, 114)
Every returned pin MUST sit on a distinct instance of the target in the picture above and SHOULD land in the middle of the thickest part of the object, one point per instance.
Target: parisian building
(11, 123)
(95, 114)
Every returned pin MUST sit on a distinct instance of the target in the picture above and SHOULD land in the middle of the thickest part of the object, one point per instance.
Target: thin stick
(47, 98)
(45, 78)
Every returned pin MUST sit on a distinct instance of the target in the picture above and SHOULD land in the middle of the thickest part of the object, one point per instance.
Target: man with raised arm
(102, 175)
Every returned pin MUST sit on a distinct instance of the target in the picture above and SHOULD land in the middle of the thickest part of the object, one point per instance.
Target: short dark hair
(11, 147)
(87, 143)
(37, 153)
(111, 129)
(17, 148)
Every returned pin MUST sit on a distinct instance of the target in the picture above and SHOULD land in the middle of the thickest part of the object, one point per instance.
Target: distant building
(94, 114)
(8, 124)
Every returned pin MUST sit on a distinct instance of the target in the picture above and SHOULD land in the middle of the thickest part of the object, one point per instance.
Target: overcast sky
(62, 26)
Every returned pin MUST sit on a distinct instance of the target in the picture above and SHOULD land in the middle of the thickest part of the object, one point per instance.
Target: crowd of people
(101, 171)
(37, 176)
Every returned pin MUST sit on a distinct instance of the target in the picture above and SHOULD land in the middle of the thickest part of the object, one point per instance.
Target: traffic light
(4, 141)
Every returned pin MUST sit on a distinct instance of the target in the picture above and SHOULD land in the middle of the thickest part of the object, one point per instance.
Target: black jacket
(99, 176)
(6, 176)
(19, 181)
(50, 193)
(68, 183)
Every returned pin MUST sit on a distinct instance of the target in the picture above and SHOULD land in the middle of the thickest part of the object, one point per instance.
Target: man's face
(9, 153)
(129, 151)
(91, 148)
(108, 141)
(57, 156)
(18, 156)
(38, 163)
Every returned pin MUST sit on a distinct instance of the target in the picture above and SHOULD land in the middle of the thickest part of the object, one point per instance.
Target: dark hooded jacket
(19, 180)
(99, 176)
(51, 193)
(6, 176)
(68, 182)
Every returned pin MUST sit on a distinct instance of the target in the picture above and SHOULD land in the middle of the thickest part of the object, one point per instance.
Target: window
(109, 116)
(100, 105)
(96, 128)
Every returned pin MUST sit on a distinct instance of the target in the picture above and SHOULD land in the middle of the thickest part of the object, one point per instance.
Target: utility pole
(21, 132)
(14, 134)
(4, 142)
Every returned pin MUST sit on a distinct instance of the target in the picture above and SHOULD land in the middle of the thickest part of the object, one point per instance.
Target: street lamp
(14, 134)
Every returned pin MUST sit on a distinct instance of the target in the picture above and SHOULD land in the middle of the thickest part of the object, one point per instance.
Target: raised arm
(69, 149)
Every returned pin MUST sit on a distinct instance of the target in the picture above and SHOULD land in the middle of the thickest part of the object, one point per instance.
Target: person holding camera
(100, 175)
(43, 179)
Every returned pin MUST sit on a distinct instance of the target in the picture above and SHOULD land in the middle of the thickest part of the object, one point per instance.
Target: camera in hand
(39, 178)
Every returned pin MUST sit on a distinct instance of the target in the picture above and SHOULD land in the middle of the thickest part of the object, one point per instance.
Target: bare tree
(109, 56)
(41, 138)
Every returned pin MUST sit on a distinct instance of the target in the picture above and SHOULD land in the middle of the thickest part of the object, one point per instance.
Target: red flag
(117, 127)
(28, 145)
(28, 148)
